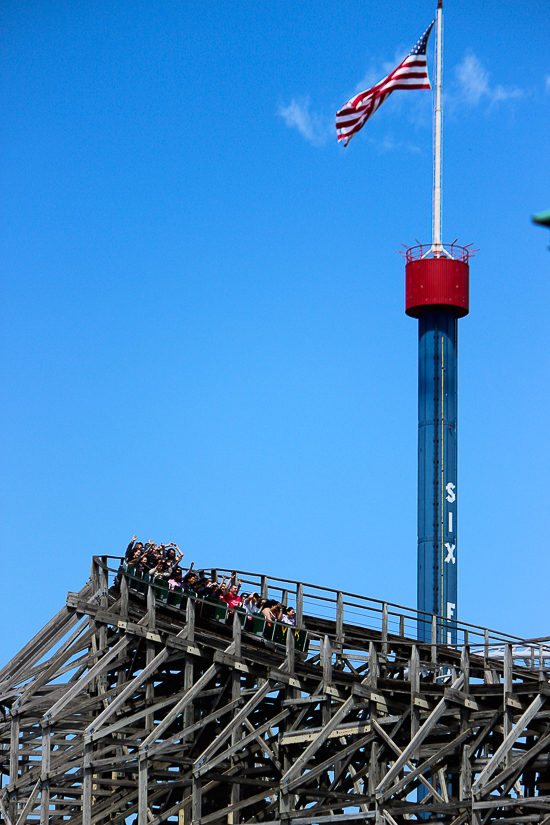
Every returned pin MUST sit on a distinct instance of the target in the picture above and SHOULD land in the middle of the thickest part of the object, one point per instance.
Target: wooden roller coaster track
(130, 705)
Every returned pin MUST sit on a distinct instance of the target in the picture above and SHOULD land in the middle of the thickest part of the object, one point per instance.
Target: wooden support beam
(514, 734)
(197, 799)
(262, 743)
(426, 766)
(389, 741)
(290, 652)
(160, 747)
(326, 663)
(384, 635)
(27, 808)
(188, 679)
(326, 660)
(14, 763)
(223, 812)
(416, 741)
(216, 758)
(151, 606)
(214, 746)
(190, 620)
(465, 667)
(79, 686)
(434, 640)
(14, 749)
(508, 690)
(87, 785)
(186, 699)
(4, 812)
(142, 791)
(39, 645)
(482, 734)
(127, 691)
(461, 819)
(517, 765)
(372, 678)
(300, 605)
(45, 779)
(124, 595)
(319, 769)
(73, 644)
(340, 617)
(287, 780)
(135, 716)
(541, 802)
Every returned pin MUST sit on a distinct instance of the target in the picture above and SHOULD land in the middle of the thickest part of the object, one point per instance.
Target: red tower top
(437, 281)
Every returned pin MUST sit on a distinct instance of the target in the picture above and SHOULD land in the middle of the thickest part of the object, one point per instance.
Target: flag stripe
(412, 73)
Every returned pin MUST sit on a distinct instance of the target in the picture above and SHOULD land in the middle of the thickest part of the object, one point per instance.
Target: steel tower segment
(437, 469)
(437, 293)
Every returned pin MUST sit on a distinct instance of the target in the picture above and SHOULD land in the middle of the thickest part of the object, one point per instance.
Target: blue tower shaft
(437, 471)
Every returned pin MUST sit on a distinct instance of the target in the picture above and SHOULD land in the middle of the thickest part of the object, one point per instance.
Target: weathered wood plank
(314, 746)
(77, 688)
(509, 740)
(418, 738)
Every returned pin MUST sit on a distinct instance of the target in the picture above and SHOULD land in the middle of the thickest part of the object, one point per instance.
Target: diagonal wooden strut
(514, 734)
(316, 744)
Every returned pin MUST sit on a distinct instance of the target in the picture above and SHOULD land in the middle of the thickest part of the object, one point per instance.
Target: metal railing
(449, 250)
(345, 611)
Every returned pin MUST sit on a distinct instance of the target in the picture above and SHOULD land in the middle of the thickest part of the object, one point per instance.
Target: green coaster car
(161, 590)
(279, 633)
(255, 624)
(136, 580)
(214, 610)
(241, 613)
(175, 597)
(301, 641)
(269, 627)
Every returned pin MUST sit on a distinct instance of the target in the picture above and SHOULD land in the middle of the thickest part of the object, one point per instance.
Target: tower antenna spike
(437, 246)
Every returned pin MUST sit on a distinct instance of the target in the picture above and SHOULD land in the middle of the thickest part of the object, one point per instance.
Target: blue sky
(203, 330)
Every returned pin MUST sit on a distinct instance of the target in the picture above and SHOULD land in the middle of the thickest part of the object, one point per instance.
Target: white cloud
(474, 83)
(472, 78)
(310, 125)
(501, 93)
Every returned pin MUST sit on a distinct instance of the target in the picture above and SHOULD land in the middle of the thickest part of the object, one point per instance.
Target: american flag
(412, 73)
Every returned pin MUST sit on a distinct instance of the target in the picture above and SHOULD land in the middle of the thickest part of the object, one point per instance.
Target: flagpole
(437, 247)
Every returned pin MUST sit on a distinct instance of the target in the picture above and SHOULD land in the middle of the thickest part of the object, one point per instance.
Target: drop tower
(437, 294)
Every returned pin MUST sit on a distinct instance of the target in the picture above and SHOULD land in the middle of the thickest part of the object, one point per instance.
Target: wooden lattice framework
(125, 708)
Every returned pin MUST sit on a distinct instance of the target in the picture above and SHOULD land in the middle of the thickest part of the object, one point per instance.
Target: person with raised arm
(289, 616)
(160, 571)
(131, 547)
(231, 595)
(251, 603)
(171, 557)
